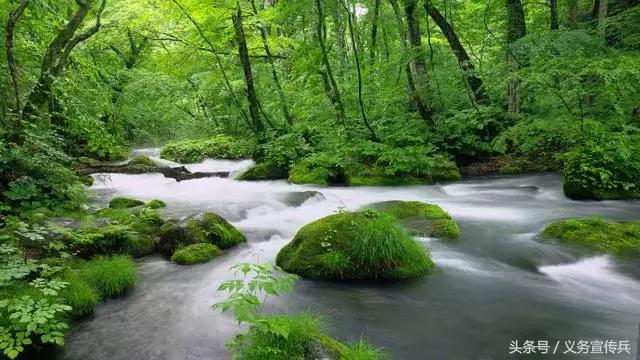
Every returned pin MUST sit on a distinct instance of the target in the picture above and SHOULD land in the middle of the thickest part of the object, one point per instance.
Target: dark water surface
(497, 283)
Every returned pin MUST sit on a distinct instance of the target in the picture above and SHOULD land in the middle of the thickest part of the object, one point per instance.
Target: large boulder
(201, 228)
(619, 238)
(420, 218)
(365, 245)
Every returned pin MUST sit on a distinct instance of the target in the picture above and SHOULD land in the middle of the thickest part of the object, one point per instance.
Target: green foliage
(195, 254)
(263, 171)
(78, 294)
(370, 246)
(605, 169)
(363, 350)
(124, 203)
(110, 276)
(620, 238)
(217, 147)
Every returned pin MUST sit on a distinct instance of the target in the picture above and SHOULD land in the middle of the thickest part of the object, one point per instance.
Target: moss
(421, 218)
(204, 228)
(217, 147)
(195, 254)
(619, 238)
(302, 174)
(110, 276)
(156, 204)
(79, 295)
(142, 161)
(576, 191)
(368, 246)
(264, 171)
(124, 203)
(87, 180)
(138, 246)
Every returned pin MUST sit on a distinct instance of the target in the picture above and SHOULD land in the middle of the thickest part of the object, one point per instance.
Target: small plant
(110, 276)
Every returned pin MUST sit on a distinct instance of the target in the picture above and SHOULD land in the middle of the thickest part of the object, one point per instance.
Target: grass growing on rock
(217, 147)
(195, 254)
(421, 218)
(110, 276)
(363, 245)
(619, 238)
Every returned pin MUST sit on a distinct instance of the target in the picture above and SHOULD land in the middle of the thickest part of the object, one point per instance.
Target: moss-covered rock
(156, 204)
(363, 245)
(264, 171)
(619, 238)
(87, 180)
(217, 147)
(195, 254)
(121, 202)
(302, 173)
(142, 161)
(202, 228)
(421, 218)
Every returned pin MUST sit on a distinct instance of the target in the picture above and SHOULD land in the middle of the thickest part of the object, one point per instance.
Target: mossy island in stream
(216, 147)
(363, 245)
(195, 254)
(618, 238)
(421, 218)
(201, 228)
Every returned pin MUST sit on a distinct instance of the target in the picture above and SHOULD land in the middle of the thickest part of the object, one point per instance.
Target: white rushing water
(497, 283)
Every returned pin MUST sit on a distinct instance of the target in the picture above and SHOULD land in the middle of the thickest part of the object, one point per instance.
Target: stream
(498, 283)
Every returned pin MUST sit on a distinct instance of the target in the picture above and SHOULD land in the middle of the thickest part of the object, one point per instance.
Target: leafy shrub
(605, 169)
(195, 254)
(217, 147)
(285, 150)
(110, 276)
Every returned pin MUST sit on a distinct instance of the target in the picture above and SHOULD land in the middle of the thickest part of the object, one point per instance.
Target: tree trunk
(374, 31)
(335, 97)
(516, 29)
(414, 99)
(365, 120)
(473, 79)
(57, 55)
(243, 51)
(418, 66)
(14, 17)
(553, 4)
(274, 72)
(602, 18)
(572, 14)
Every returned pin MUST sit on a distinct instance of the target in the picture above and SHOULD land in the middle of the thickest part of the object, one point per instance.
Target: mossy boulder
(264, 171)
(618, 238)
(216, 147)
(121, 202)
(195, 254)
(365, 245)
(142, 161)
(421, 218)
(156, 204)
(202, 228)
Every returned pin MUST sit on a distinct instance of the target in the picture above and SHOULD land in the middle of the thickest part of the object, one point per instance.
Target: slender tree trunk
(412, 92)
(328, 77)
(572, 14)
(516, 29)
(365, 120)
(472, 77)
(374, 30)
(602, 18)
(418, 66)
(243, 51)
(553, 5)
(14, 17)
(274, 72)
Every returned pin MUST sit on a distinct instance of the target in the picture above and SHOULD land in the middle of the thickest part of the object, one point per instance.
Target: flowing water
(499, 282)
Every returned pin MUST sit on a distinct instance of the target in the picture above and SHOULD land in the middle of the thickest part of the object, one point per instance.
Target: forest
(179, 131)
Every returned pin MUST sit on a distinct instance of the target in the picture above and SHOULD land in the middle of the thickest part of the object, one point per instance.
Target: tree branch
(11, 59)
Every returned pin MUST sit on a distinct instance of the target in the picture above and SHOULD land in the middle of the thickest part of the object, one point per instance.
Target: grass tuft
(110, 276)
